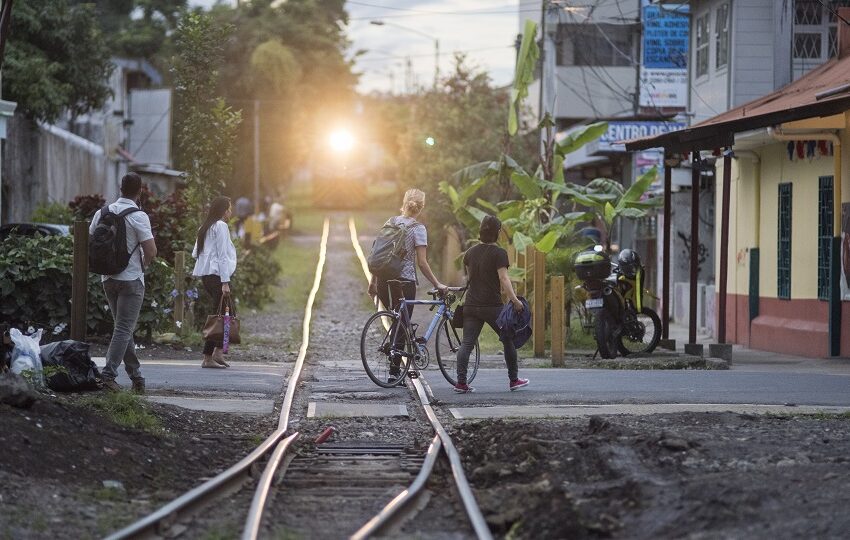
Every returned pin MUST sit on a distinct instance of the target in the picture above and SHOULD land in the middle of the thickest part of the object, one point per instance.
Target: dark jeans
(125, 303)
(406, 290)
(212, 284)
(473, 322)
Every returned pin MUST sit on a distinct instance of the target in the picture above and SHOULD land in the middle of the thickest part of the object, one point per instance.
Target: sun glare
(341, 140)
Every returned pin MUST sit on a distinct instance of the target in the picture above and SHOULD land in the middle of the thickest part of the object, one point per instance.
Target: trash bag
(76, 370)
(26, 354)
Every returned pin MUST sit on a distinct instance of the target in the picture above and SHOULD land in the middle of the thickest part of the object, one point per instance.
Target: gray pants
(125, 303)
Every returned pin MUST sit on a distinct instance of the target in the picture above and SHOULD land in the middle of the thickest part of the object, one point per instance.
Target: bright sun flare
(341, 140)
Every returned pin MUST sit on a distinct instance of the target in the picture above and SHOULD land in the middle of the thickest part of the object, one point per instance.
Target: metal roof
(824, 91)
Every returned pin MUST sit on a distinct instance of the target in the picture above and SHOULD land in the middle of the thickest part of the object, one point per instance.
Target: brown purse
(214, 327)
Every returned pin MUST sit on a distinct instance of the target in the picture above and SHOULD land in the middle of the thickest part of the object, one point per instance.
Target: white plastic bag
(27, 354)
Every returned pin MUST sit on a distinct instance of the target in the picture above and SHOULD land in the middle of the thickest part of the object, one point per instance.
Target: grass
(125, 409)
(298, 260)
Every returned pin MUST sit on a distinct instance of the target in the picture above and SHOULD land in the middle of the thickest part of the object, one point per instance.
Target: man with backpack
(121, 246)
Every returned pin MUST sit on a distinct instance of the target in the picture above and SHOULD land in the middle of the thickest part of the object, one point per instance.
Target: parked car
(32, 229)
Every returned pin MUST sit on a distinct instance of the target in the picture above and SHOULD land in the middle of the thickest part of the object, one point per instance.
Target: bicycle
(390, 351)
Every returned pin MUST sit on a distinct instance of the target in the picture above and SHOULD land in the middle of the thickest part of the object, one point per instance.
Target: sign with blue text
(664, 56)
(619, 131)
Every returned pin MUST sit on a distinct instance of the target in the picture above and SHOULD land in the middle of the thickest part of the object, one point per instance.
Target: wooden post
(80, 281)
(724, 246)
(539, 306)
(694, 271)
(180, 287)
(558, 329)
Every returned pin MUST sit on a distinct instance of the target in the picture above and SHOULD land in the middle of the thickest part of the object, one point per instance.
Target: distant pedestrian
(415, 253)
(486, 267)
(216, 263)
(125, 289)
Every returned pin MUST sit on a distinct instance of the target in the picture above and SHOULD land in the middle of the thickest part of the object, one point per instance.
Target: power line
(431, 55)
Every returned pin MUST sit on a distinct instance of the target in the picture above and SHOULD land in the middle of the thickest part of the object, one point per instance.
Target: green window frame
(783, 255)
(825, 232)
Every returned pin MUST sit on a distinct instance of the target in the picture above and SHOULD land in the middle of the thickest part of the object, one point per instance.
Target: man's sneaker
(516, 384)
(139, 386)
(463, 389)
(111, 385)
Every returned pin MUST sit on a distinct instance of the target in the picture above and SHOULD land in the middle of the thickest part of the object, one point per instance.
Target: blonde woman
(416, 254)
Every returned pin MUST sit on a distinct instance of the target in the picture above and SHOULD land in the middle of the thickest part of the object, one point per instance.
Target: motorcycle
(615, 296)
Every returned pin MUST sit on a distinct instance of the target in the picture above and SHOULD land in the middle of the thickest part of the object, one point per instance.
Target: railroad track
(346, 470)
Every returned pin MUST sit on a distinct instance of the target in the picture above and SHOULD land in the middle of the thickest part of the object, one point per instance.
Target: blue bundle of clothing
(515, 326)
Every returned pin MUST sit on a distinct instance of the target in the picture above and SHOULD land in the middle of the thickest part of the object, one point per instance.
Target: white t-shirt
(138, 226)
(219, 255)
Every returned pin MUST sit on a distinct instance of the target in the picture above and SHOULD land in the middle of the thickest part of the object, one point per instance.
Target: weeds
(124, 409)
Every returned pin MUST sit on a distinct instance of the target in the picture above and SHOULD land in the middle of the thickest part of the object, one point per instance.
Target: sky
(485, 28)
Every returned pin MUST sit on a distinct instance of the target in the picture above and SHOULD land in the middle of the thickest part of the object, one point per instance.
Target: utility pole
(256, 156)
(542, 61)
(436, 63)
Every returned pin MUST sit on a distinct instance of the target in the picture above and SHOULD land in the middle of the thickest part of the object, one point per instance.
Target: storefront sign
(664, 65)
(611, 140)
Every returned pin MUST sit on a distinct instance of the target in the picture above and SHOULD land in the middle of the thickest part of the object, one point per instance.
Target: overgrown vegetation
(125, 409)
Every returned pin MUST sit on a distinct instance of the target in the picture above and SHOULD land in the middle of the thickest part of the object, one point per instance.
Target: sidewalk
(744, 359)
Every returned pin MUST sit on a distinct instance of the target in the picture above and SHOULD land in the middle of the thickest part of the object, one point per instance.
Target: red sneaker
(516, 384)
(464, 389)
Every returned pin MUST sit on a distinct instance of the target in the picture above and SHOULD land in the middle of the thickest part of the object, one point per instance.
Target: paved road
(242, 378)
(560, 386)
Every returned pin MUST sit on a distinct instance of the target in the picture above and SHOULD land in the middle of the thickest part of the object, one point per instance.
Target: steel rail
(258, 504)
(255, 514)
(391, 513)
(476, 518)
(232, 478)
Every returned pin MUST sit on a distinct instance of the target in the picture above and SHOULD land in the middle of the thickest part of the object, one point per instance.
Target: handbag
(457, 317)
(214, 327)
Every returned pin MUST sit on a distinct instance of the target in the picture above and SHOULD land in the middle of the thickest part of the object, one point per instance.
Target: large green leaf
(580, 137)
(475, 171)
(467, 218)
(526, 61)
(478, 214)
(557, 176)
(651, 202)
(488, 205)
(511, 211)
(526, 185)
(547, 243)
(450, 191)
(521, 241)
(468, 191)
(610, 213)
(633, 213)
(606, 185)
(579, 216)
(636, 190)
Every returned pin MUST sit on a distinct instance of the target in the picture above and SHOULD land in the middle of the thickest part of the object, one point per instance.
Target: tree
(56, 58)
(206, 127)
(290, 56)
(137, 36)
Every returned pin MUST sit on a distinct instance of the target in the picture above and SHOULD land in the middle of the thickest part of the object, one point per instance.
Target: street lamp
(423, 34)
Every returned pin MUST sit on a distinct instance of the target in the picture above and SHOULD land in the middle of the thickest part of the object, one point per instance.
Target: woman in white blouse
(216, 262)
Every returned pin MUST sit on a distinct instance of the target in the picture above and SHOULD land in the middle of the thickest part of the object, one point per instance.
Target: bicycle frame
(442, 312)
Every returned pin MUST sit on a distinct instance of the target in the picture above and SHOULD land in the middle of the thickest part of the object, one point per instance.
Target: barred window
(783, 258)
(825, 232)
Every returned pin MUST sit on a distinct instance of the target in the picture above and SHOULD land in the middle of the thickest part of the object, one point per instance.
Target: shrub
(85, 206)
(167, 217)
(35, 289)
(53, 213)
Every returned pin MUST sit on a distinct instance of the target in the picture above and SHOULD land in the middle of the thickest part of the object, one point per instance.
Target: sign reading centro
(626, 131)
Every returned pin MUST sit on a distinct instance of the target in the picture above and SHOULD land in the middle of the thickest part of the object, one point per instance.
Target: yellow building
(786, 275)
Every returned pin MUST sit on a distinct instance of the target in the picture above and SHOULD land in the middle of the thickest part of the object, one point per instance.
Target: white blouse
(219, 255)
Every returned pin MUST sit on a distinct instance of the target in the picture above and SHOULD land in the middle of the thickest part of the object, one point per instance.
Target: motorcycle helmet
(629, 263)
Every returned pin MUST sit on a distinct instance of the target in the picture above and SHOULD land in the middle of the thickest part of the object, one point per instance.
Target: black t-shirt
(482, 265)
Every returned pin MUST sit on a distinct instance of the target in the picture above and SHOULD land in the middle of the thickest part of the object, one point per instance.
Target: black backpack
(386, 260)
(108, 253)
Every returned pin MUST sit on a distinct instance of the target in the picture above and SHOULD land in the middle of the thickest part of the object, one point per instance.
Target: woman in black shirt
(487, 274)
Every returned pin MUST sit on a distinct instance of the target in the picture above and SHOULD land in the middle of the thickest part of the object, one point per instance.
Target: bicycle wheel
(446, 345)
(642, 334)
(376, 350)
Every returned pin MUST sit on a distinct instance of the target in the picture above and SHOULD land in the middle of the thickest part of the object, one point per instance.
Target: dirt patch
(665, 476)
(57, 456)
